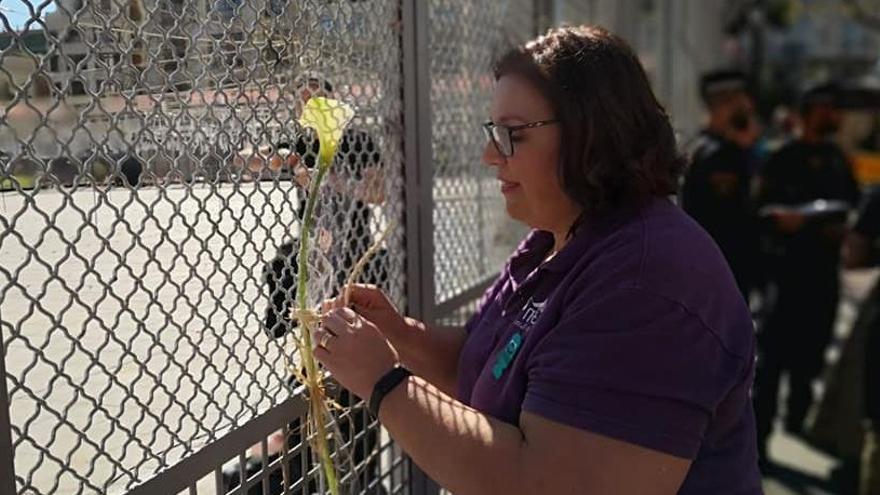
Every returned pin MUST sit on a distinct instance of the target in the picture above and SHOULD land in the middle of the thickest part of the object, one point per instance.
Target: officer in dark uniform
(716, 191)
(804, 193)
(861, 251)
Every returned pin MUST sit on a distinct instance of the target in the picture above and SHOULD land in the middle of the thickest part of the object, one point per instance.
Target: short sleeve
(695, 191)
(768, 182)
(632, 366)
(868, 223)
(851, 191)
(705, 202)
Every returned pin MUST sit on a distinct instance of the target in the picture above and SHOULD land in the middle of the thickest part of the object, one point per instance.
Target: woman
(614, 354)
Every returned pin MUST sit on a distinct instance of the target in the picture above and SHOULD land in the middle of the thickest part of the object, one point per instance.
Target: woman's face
(529, 178)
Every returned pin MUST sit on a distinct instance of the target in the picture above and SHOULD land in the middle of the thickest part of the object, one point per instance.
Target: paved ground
(800, 469)
(154, 322)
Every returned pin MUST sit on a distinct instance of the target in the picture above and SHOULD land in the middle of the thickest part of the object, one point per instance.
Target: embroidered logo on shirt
(526, 319)
(530, 314)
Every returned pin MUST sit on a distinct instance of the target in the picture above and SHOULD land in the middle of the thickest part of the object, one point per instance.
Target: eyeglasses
(502, 135)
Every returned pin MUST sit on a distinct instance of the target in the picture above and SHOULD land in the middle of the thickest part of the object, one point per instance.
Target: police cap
(723, 81)
(827, 93)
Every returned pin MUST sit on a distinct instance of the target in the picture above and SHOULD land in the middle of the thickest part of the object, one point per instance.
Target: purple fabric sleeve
(632, 366)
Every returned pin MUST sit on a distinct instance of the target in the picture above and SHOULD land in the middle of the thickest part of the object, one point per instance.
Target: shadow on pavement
(799, 482)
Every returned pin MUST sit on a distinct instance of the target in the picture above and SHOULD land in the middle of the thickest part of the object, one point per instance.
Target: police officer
(861, 250)
(716, 190)
(804, 191)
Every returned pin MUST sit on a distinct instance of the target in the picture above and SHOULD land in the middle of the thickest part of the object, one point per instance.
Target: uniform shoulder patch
(704, 146)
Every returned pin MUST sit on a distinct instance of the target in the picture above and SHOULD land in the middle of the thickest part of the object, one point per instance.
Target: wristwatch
(385, 385)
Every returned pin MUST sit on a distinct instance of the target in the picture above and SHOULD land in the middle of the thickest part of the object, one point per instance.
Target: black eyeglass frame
(489, 129)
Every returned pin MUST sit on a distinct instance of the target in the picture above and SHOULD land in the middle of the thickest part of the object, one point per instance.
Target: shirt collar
(593, 228)
(529, 255)
(534, 249)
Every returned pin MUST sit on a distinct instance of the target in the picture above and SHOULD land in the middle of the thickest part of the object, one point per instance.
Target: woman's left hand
(354, 351)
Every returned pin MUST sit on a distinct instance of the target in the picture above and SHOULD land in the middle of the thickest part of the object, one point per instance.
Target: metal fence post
(7, 466)
(418, 175)
(418, 159)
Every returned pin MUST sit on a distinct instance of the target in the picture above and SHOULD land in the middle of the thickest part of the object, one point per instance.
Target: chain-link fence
(472, 234)
(152, 185)
(150, 215)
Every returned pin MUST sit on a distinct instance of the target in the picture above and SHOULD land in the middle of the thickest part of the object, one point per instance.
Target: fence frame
(194, 467)
(417, 156)
(418, 172)
(7, 462)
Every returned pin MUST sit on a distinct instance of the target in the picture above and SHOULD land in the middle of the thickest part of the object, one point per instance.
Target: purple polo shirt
(635, 330)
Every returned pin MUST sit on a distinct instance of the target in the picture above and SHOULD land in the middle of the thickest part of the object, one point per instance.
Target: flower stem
(317, 406)
(304, 234)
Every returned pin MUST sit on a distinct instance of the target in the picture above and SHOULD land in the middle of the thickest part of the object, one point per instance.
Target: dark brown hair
(618, 146)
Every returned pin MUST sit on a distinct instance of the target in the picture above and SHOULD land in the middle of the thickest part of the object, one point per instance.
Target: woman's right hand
(430, 352)
(370, 302)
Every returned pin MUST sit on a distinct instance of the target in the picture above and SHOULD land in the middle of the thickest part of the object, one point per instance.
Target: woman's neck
(562, 234)
(561, 227)
(559, 242)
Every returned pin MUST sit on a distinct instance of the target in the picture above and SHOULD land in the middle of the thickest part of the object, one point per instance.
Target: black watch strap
(385, 385)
